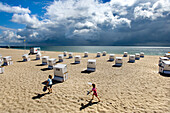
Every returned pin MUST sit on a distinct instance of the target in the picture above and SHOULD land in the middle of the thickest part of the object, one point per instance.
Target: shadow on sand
(110, 60)
(53, 81)
(74, 63)
(45, 69)
(40, 65)
(116, 66)
(39, 95)
(59, 62)
(21, 61)
(69, 58)
(164, 75)
(130, 62)
(90, 103)
(86, 71)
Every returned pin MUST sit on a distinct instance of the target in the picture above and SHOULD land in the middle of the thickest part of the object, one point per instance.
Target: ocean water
(148, 50)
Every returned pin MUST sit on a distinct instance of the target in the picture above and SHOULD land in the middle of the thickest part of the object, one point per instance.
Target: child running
(94, 92)
(49, 84)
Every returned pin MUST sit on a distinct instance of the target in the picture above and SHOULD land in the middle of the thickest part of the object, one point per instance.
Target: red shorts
(95, 94)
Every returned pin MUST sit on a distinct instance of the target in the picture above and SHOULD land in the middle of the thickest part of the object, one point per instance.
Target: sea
(148, 50)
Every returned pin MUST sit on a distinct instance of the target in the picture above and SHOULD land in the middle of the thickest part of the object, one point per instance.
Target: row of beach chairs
(60, 70)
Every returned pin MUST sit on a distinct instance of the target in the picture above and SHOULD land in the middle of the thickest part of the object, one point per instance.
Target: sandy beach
(133, 88)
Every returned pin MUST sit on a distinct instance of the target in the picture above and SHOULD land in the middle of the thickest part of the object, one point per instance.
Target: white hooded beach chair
(45, 60)
(7, 60)
(51, 63)
(104, 53)
(142, 54)
(111, 57)
(60, 72)
(1, 69)
(98, 54)
(162, 59)
(65, 53)
(70, 55)
(60, 58)
(26, 57)
(125, 54)
(164, 68)
(167, 55)
(91, 65)
(77, 59)
(85, 54)
(132, 58)
(38, 56)
(118, 61)
(137, 56)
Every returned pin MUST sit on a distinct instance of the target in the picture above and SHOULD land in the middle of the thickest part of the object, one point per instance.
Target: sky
(85, 22)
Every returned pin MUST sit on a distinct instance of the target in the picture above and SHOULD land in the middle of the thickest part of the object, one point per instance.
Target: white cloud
(10, 37)
(123, 2)
(31, 21)
(85, 25)
(160, 8)
(14, 9)
(34, 34)
(87, 14)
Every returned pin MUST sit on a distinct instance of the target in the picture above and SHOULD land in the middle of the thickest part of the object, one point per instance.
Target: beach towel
(45, 88)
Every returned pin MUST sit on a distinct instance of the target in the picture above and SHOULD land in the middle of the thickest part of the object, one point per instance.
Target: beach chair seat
(85, 54)
(91, 65)
(26, 57)
(118, 61)
(60, 72)
(38, 56)
(164, 68)
(51, 63)
(137, 56)
(77, 59)
(131, 58)
(142, 54)
(65, 53)
(112, 57)
(45, 60)
(60, 57)
(98, 54)
(104, 53)
(7, 60)
(70, 55)
(125, 54)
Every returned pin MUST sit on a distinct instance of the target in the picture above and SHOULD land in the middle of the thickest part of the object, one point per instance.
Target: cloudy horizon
(86, 22)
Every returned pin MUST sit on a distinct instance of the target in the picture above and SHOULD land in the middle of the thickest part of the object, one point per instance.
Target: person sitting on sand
(94, 92)
(49, 84)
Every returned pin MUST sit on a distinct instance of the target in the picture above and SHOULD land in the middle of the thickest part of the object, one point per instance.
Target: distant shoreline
(148, 50)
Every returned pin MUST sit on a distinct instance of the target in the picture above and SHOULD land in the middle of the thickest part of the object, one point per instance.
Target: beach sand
(134, 87)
